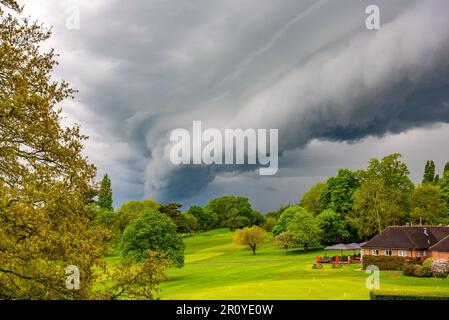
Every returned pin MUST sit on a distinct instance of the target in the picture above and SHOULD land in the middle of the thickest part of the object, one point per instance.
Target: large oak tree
(45, 181)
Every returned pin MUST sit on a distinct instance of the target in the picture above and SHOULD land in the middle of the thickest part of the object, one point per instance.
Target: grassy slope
(217, 269)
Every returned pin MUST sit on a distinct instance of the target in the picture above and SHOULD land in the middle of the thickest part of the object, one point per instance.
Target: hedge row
(388, 263)
(394, 295)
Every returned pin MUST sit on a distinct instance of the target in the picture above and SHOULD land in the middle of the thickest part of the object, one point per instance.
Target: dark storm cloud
(308, 68)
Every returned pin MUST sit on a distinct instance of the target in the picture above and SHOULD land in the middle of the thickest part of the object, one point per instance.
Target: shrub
(408, 269)
(394, 295)
(418, 270)
(388, 263)
(426, 270)
(440, 268)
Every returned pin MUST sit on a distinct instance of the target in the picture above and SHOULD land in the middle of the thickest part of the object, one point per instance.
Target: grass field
(216, 268)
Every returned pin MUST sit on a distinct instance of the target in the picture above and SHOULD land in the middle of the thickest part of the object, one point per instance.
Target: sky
(338, 93)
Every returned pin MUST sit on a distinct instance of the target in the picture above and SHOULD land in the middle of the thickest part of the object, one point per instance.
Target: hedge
(388, 263)
(397, 295)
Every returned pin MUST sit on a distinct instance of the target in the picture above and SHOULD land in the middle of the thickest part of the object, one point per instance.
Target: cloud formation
(308, 68)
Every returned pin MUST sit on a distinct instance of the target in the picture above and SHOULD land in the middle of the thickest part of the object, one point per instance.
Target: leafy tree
(375, 208)
(338, 192)
(152, 231)
(394, 174)
(285, 219)
(392, 170)
(311, 200)
(304, 229)
(285, 241)
(105, 193)
(427, 205)
(444, 185)
(186, 223)
(250, 236)
(446, 168)
(45, 181)
(131, 210)
(429, 172)
(231, 212)
(332, 226)
(136, 281)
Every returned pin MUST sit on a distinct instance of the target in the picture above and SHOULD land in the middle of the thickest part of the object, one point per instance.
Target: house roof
(441, 246)
(401, 237)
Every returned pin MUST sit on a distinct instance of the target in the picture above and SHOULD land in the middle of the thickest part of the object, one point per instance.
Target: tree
(429, 172)
(444, 185)
(338, 192)
(152, 231)
(285, 219)
(136, 281)
(428, 206)
(446, 168)
(311, 199)
(395, 182)
(304, 229)
(231, 212)
(285, 241)
(131, 210)
(332, 226)
(45, 181)
(105, 193)
(375, 208)
(250, 236)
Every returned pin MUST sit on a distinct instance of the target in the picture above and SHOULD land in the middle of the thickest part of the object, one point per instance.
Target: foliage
(152, 231)
(375, 208)
(250, 236)
(338, 192)
(444, 185)
(332, 227)
(136, 281)
(388, 263)
(231, 212)
(403, 295)
(311, 199)
(429, 172)
(285, 219)
(285, 241)
(45, 181)
(206, 219)
(427, 205)
(440, 268)
(131, 210)
(305, 229)
(105, 193)
(427, 267)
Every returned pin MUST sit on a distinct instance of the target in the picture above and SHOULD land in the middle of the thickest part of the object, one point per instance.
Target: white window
(388, 253)
(375, 252)
(424, 253)
(402, 253)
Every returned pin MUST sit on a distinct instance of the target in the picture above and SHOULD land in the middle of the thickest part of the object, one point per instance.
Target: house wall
(440, 255)
(395, 252)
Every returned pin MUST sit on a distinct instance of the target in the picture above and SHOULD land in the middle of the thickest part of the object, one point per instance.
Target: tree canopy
(152, 231)
(45, 181)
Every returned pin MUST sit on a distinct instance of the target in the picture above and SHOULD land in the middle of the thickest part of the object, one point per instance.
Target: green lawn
(216, 268)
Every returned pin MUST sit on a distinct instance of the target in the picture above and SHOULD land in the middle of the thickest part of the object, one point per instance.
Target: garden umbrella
(339, 246)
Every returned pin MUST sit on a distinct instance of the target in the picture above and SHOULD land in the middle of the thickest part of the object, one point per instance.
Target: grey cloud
(309, 68)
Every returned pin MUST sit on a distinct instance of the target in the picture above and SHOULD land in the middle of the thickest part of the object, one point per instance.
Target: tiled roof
(441, 246)
(402, 237)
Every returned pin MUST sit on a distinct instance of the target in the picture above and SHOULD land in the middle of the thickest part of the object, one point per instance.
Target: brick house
(405, 241)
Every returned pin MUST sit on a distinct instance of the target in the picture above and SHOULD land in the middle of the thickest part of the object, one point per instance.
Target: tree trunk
(253, 247)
